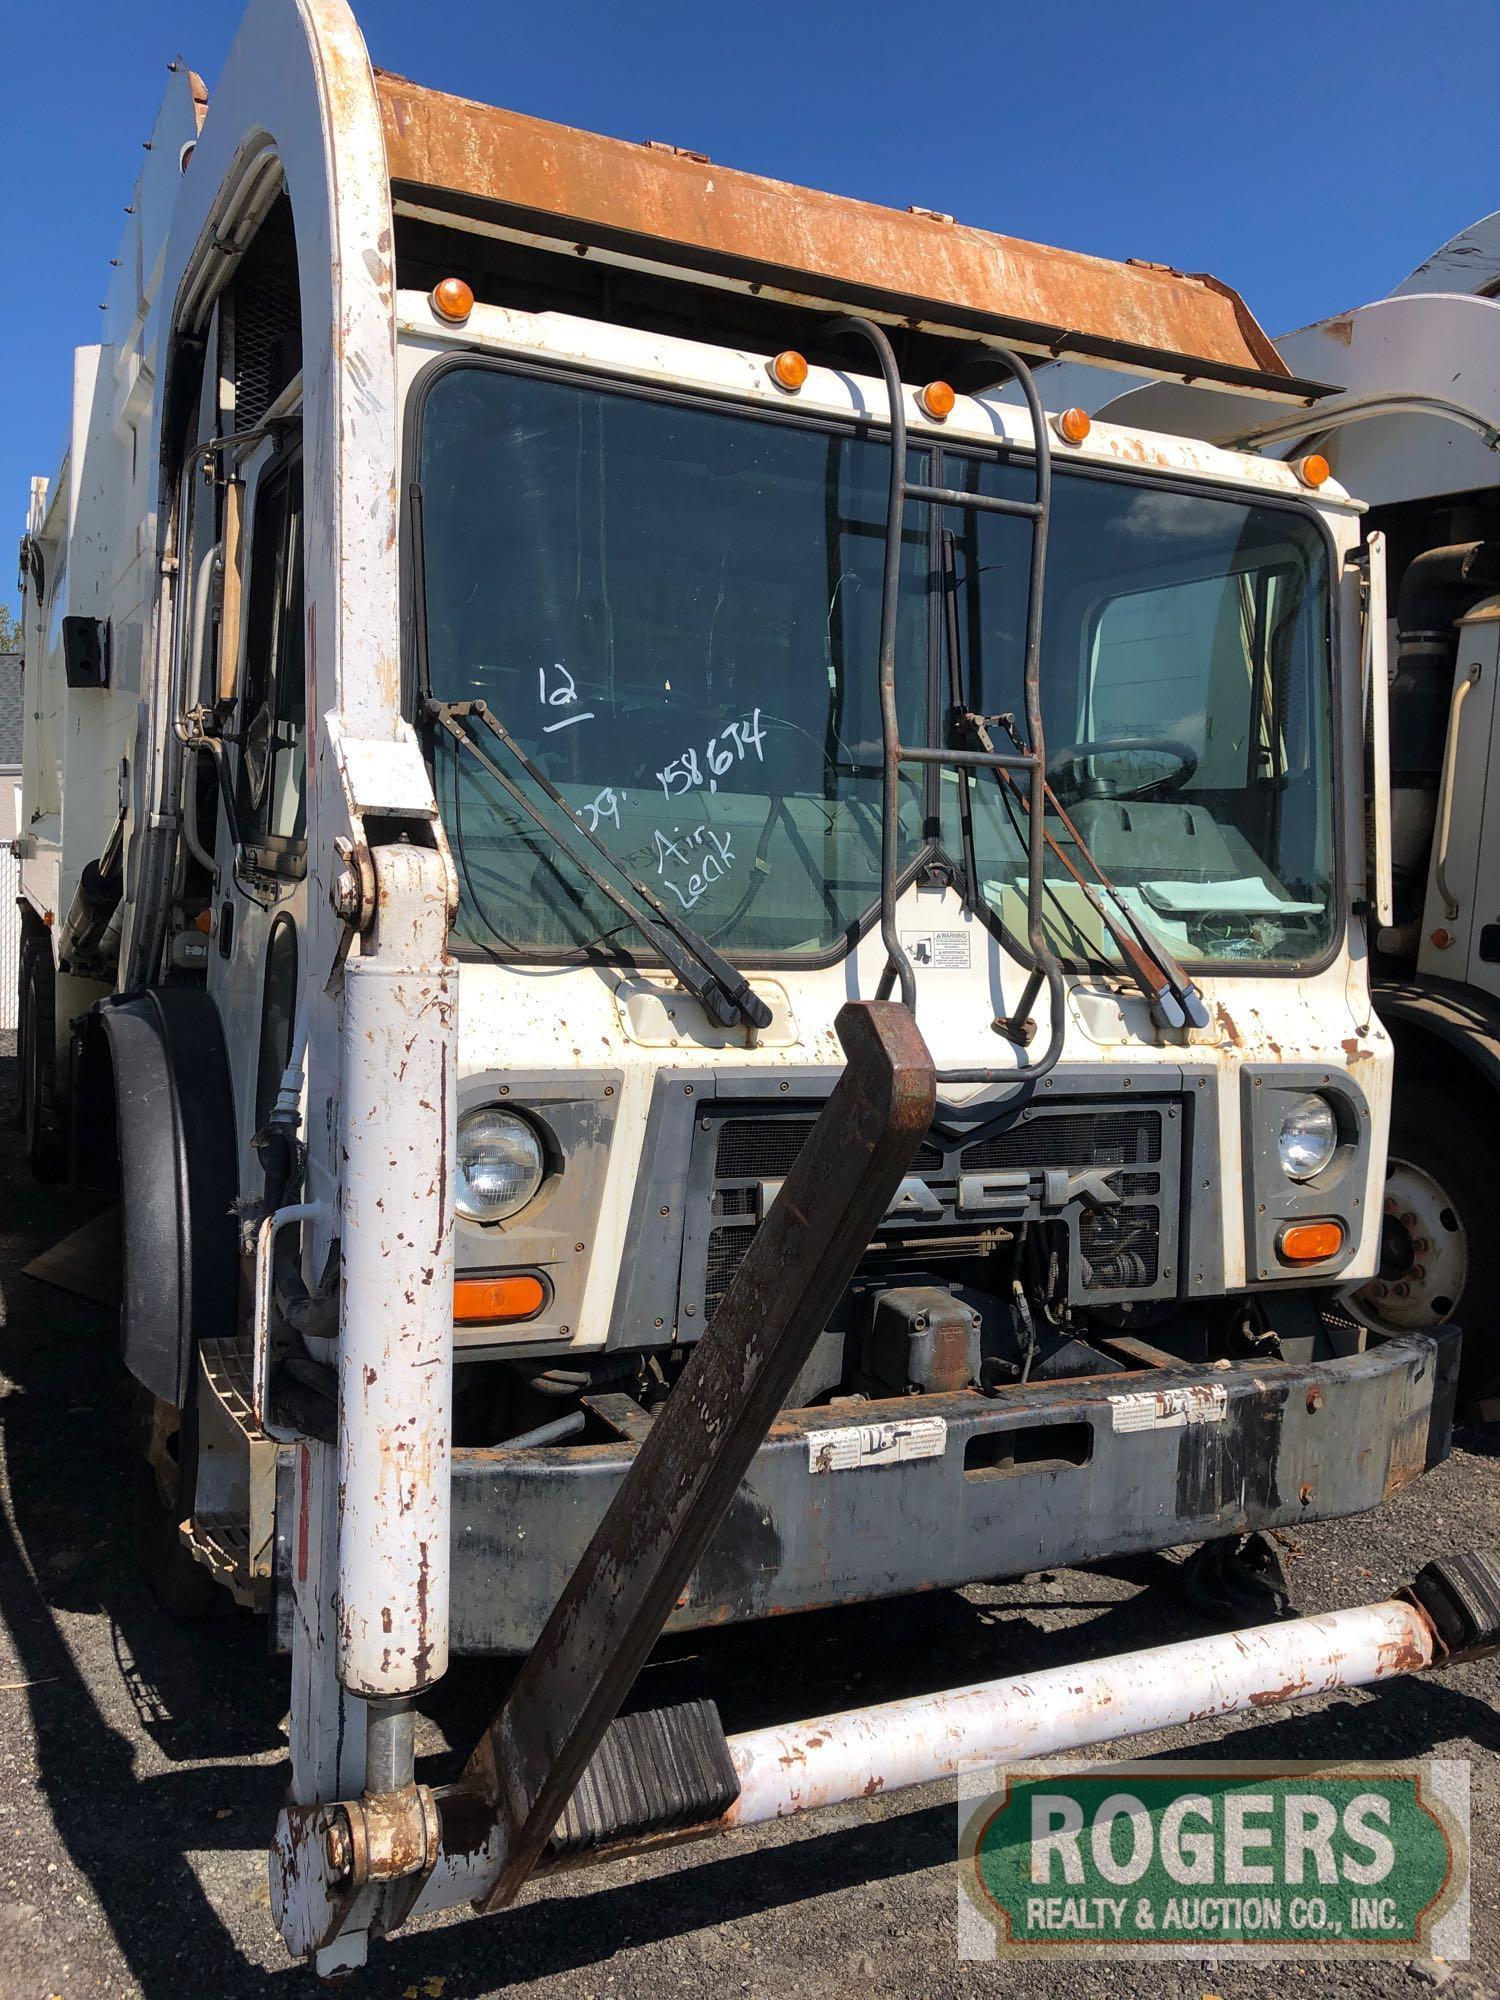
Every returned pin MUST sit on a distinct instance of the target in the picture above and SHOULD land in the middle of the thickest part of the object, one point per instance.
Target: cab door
(255, 962)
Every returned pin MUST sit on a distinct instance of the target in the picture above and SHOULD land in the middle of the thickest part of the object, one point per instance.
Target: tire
(1436, 1265)
(36, 1062)
(181, 1585)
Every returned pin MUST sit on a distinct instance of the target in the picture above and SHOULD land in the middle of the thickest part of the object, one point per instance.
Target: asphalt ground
(142, 1762)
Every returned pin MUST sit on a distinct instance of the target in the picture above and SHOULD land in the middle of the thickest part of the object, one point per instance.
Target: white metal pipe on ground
(862, 1751)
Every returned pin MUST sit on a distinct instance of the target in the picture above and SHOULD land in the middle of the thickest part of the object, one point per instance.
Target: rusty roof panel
(685, 211)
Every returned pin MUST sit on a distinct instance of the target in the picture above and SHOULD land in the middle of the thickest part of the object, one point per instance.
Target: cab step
(654, 1772)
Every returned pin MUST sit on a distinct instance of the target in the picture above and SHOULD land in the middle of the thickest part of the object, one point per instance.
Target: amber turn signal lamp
(204, 921)
(1309, 1242)
(452, 299)
(789, 370)
(937, 399)
(1313, 469)
(1074, 425)
(481, 1300)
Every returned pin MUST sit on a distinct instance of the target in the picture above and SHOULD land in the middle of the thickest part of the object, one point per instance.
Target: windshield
(674, 608)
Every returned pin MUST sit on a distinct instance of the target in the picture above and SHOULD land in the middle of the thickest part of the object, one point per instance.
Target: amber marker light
(1313, 469)
(1309, 1242)
(937, 399)
(452, 299)
(789, 370)
(1074, 425)
(480, 1301)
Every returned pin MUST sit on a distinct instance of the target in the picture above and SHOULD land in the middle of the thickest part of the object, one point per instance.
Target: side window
(1193, 661)
(278, 1007)
(272, 780)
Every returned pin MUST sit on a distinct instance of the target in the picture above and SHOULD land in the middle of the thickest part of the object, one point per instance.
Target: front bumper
(1037, 1477)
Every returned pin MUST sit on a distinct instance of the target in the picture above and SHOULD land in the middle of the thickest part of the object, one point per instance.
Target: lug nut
(338, 1847)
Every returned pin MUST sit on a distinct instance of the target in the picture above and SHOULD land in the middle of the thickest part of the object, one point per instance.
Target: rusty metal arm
(525, 1768)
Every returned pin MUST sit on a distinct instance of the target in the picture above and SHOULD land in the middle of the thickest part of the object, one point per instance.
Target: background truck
(715, 973)
(1414, 432)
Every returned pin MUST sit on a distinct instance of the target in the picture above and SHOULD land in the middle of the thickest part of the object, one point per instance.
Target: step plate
(653, 1772)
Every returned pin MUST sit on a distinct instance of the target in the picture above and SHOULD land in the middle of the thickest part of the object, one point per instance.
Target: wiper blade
(1183, 990)
(724, 992)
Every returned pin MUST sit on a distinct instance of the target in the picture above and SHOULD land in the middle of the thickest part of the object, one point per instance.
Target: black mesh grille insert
(267, 344)
(764, 1148)
(1074, 1139)
(726, 1249)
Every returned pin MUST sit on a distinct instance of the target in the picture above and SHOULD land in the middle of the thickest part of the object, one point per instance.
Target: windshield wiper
(1175, 1001)
(1174, 998)
(710, 978)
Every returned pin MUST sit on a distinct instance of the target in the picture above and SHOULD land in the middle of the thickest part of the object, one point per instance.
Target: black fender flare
(179, 1173)
(1463, 1020)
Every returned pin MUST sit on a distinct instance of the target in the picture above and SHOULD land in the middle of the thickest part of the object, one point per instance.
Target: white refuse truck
(715, 973)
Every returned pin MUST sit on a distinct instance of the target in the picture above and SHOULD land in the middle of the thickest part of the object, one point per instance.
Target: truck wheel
(35, 1063)
(163, 1469)
(1434, 1265)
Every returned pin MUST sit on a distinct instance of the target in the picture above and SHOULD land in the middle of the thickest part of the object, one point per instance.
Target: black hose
(550, 1381)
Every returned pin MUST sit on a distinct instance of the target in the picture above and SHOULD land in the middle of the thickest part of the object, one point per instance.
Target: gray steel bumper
(1035, 1478)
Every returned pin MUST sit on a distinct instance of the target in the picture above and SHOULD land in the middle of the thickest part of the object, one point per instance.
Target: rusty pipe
(897, 1744)
(832, 1759)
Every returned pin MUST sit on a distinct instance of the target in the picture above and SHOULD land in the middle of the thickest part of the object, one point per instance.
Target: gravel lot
(141, 1763)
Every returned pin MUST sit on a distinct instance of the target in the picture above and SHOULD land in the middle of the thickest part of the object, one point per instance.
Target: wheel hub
(1424, 1255)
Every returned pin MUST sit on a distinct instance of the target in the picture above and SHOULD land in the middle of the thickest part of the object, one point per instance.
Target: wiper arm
(1173, 997)
(1183, 990)
(707, 975)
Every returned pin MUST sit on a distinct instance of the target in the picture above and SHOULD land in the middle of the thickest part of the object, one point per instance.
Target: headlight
(500, 1164)
(1308, 1137)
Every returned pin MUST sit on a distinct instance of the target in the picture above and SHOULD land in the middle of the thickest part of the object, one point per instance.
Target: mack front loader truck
(716, 973)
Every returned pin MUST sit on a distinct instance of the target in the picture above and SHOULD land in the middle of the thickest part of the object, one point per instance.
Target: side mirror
(1377, 689)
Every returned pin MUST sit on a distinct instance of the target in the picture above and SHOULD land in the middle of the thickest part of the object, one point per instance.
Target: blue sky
(1308, 154)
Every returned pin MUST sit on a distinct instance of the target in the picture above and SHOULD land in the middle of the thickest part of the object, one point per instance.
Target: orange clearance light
(1313, 469)
(937, 399)
(1074, 425)
(1309, 1242)
(789, 370)
(477, 1300)
(452, 299)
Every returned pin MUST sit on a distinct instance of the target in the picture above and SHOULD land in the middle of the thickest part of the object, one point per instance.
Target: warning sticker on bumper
(876, 1444)
(1169, 1409)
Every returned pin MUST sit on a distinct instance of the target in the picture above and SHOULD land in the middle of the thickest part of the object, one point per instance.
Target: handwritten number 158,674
(721, 754)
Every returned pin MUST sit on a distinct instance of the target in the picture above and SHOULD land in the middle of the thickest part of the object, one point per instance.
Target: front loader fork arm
(526, 1766)
(371, 1541)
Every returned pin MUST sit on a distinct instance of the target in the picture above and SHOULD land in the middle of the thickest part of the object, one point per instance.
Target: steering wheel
(1066, 768)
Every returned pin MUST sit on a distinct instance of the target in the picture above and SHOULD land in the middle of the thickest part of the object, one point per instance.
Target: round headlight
(1308, 1137)
(500, 1164)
